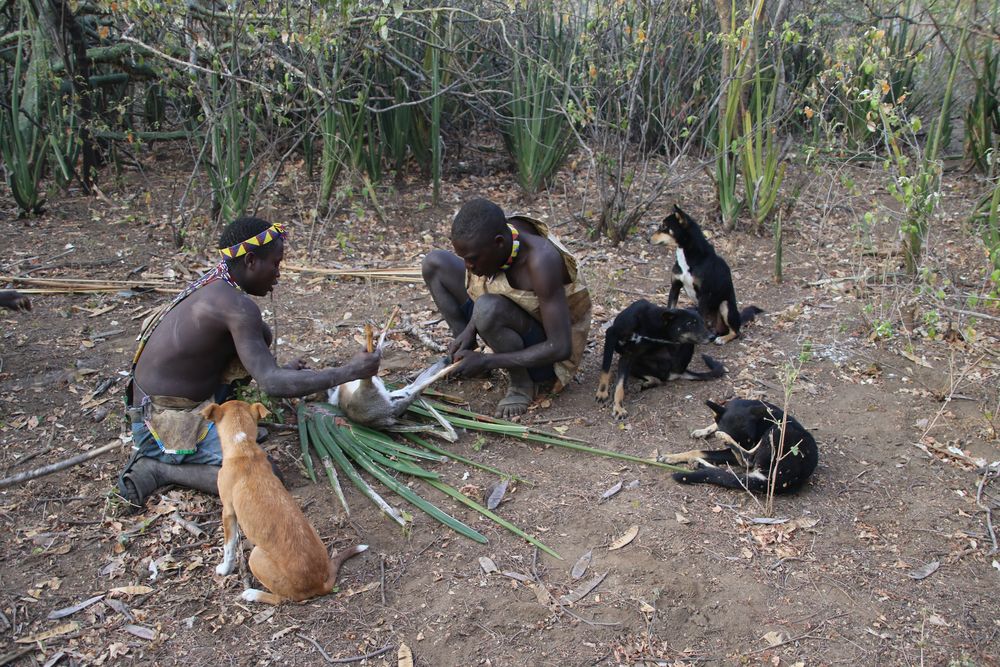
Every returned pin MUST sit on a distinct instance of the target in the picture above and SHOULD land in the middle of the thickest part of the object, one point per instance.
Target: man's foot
(136, 483)
(515, 403)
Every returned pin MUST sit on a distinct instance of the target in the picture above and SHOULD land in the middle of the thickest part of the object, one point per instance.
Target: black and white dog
(704, 275)
(751, 430)
(654, 344)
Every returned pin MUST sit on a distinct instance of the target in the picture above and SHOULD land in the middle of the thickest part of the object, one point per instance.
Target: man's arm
(546, 279)
(247, 329)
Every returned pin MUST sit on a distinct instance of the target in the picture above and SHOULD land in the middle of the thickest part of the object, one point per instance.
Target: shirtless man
(516, 287)
(209, 335)
(14, 300)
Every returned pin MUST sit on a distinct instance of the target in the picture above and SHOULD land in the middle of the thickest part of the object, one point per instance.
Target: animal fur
(751, 431)
(704, 276)
(368, 402)
(288, 557)
(654, 344)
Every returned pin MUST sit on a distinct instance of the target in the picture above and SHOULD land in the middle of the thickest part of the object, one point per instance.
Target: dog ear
(211, 412)
(259, 410)
(716, 408)
(682, 217)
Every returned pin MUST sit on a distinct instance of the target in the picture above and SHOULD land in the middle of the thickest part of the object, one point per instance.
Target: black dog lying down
(752, 433)
(654, 344)
(704, 275)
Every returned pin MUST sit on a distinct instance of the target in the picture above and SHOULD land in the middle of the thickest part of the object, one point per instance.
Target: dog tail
(721, 477)
(337, 560)
(749, 314)
(715, 370)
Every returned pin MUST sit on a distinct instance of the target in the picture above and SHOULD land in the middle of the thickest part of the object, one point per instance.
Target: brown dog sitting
(288, 556)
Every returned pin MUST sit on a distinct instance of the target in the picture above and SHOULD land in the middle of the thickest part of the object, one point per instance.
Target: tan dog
(288, 556)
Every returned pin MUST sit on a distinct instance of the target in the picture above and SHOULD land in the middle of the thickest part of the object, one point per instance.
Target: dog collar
(640, 338)
(514, 247)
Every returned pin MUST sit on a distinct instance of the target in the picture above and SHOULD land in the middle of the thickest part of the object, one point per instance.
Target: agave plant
(537, 133)
(344, 447)
(22, 138)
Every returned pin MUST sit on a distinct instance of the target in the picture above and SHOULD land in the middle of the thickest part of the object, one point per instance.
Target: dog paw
(251, 595)
(602, 394)
(649, 383)
(701, 432)
(619, 412)
(224, 568)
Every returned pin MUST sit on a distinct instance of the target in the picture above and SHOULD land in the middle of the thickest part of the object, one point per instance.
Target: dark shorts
(208, 450)
(533, 336)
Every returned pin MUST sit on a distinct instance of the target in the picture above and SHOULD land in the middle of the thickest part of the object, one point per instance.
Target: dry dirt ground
(885, 558)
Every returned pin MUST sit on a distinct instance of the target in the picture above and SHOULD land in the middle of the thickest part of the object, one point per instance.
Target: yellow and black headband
(275, 231)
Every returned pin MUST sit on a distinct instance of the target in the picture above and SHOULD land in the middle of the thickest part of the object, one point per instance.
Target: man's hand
(473, 363)
(364, 365)
(463, 341)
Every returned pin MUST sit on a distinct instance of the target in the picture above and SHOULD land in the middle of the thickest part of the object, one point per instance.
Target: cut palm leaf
(405, 492)
(465, 500)
(328, 441)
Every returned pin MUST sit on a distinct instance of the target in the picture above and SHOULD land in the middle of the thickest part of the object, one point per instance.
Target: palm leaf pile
(342, 447)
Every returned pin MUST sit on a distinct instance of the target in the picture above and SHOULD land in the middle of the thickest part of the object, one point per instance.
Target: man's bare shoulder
(225, 301)
(545, 259)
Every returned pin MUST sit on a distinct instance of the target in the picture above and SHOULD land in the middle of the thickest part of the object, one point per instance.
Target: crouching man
(515, 286)
(189, 354)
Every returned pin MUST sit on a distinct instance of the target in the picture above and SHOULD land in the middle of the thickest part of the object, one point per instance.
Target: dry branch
(56, 467)
(402, 275)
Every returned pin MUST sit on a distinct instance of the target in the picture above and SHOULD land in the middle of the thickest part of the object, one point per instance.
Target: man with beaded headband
(191, 351)
(514, 285)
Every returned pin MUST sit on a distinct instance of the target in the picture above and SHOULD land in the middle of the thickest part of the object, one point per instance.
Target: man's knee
(492, 310)
(434, 263)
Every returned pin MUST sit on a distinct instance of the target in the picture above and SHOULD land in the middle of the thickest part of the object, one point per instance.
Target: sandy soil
(886, 558)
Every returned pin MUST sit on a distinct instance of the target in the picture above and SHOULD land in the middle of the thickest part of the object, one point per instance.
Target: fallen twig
(403, 275)
(43, 450)
(56, 467)
(421, 335)
(989, 474)
(344, 661)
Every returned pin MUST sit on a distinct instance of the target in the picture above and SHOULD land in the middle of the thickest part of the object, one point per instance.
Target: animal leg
(231, 533)
(729, 317)
(257, 595)
(602, 387)
(624, 368)
(675, 292)
(690, 456)
(269, 572)
(726, 477)
(705, 432)
(610, 343)
(649, 381)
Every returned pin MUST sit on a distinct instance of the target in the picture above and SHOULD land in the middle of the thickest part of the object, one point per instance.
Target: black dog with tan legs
(654, 344)
(752, 432)
(704, 275)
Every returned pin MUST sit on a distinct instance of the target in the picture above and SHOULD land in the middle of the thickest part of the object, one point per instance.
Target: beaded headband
(275, 231)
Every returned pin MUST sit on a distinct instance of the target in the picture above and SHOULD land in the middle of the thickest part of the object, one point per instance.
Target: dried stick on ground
(421, 335)
(56, 467)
